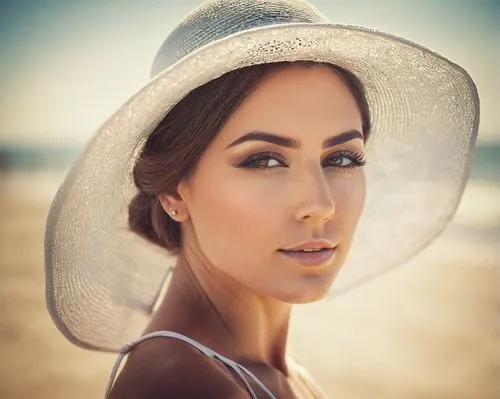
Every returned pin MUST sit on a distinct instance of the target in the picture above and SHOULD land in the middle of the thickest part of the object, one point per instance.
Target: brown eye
(263, 160)
(345, 159)
(342, 161)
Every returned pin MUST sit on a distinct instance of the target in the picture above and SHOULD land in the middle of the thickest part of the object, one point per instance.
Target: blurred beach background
(431, 329)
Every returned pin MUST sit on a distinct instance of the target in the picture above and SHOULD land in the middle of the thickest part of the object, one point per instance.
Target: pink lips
(311, 253)
(315, 258)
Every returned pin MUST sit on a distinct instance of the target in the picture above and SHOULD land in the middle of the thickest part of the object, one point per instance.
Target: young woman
(232, 185)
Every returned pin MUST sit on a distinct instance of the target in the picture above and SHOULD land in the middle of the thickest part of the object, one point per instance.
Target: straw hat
(104, 282)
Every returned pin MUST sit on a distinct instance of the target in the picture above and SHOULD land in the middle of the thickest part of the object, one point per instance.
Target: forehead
(294, 100)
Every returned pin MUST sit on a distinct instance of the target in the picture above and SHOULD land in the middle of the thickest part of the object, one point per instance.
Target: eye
(264, 160)
(342, 161)
(345, 159)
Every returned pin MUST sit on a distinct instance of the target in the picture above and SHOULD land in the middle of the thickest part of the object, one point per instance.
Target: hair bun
(139, 216)
(147, 218)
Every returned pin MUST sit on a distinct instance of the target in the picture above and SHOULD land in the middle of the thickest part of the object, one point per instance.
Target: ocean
(57, 160)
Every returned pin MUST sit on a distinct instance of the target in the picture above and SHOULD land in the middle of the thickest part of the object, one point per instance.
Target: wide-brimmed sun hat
(104, 281)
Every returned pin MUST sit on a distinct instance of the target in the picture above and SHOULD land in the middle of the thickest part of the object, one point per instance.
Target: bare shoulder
(164, 368)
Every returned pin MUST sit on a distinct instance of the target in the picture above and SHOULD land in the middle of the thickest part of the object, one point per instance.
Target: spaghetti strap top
(243, 373)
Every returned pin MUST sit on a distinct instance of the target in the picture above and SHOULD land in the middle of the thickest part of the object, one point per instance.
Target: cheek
(230, 215)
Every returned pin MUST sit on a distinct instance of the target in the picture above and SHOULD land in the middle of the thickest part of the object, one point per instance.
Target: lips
(312, 253)
(311, 246)
(310, 258)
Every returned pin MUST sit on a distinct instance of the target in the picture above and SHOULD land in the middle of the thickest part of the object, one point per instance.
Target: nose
(315, 203)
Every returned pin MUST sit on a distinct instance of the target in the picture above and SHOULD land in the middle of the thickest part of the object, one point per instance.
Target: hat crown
(215, 19)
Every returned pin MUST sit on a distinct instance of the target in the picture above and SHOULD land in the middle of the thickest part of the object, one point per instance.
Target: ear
(174, 206)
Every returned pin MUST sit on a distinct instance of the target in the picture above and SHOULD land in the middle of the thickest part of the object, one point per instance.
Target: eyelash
(357, 160)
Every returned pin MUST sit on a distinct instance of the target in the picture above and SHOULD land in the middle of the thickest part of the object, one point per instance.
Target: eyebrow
(293, 143)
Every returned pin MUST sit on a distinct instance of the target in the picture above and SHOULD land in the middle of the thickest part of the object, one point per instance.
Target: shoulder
(173, 369)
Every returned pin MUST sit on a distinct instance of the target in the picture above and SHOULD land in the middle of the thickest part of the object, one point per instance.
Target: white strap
(239, 369)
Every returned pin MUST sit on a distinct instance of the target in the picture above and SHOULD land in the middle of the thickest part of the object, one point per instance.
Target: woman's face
(285, 170)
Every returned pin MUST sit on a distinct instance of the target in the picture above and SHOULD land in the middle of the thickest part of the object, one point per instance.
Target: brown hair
(173, 149)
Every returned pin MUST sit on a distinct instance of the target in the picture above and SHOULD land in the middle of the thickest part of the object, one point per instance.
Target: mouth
(310, 257)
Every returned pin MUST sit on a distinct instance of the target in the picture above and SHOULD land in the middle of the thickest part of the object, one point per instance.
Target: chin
(313, 297)
(313, 289)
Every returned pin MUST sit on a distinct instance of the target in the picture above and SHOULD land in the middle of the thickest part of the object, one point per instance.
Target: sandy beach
(428, 330)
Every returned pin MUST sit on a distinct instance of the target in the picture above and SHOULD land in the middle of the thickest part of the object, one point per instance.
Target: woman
(231, 186)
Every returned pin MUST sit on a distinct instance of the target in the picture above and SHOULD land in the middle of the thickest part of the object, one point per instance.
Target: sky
(67, 65)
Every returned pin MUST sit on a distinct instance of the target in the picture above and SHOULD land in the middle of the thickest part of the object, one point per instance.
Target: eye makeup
(258, 160)
(338, 159)
(345, 159)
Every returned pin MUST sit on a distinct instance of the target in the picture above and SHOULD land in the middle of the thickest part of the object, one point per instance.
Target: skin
(232, 290)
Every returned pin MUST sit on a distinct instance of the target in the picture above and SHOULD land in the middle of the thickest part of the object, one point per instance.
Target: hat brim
(103, 281)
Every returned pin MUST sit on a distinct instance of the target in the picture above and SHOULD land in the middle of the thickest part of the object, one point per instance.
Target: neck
(226, 316)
